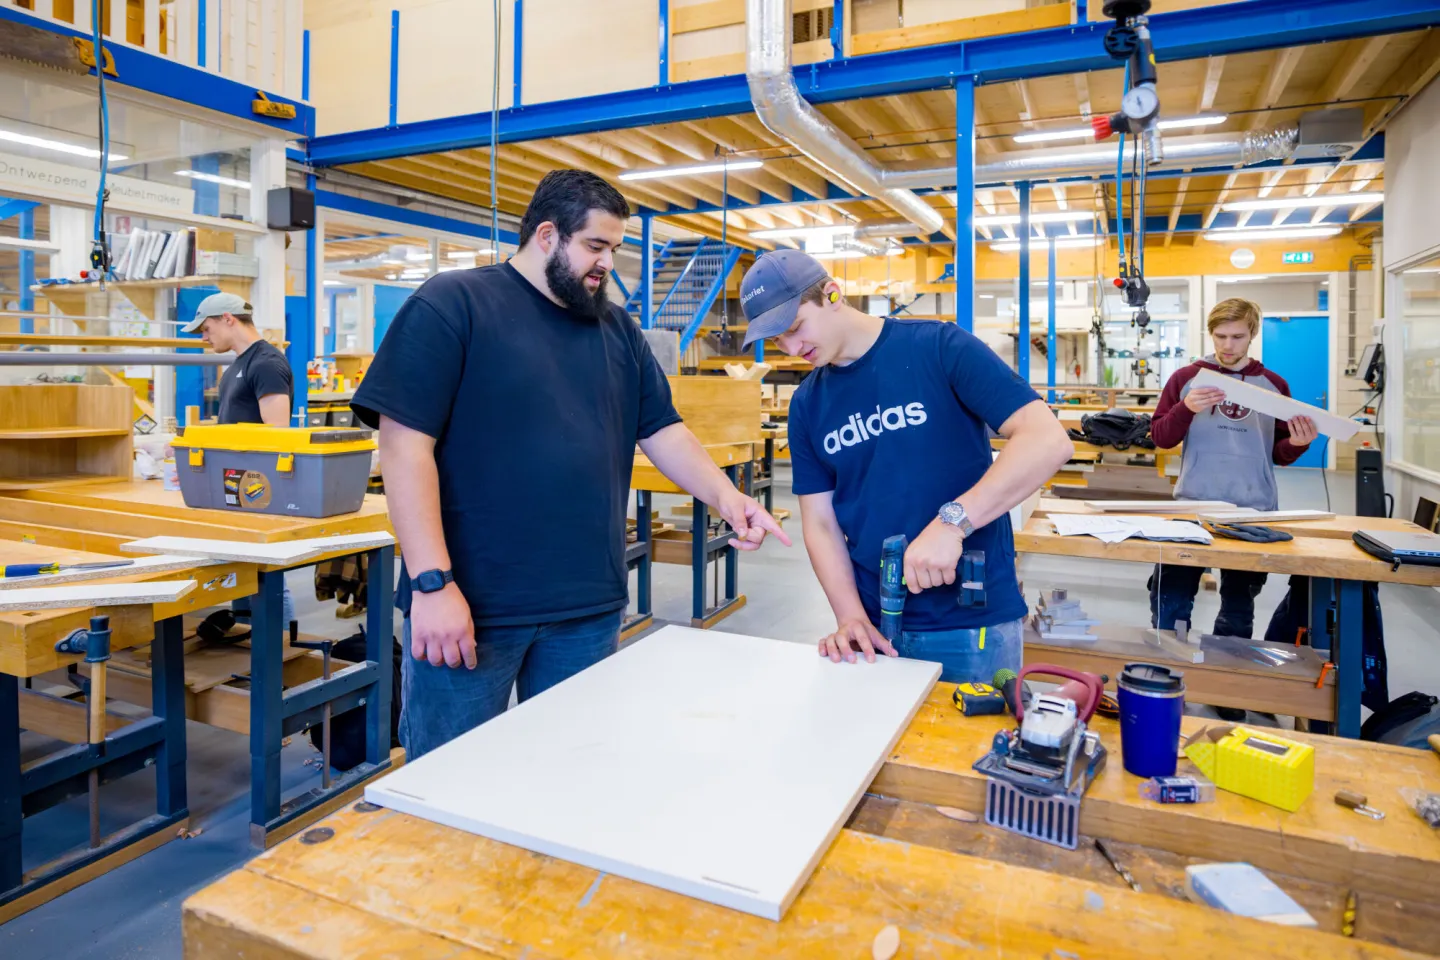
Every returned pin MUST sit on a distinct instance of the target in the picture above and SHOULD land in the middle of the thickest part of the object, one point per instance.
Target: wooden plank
(669, 830)
(239, 551)
(62, 433)
(968, 28)
(95, 595)
(933, 764)
(85, 874)
(734, 63)
(61, 718)
(1222, 680)
(1334, 528)
(94, 340)
(1154, 506)
(718, 409)
(441, 892)
(1407, 923)
(646, 476)
(725, 13)
(27, 639)
(1305, 556)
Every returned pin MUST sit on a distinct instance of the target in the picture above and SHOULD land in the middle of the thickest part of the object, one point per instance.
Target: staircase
(688, 276)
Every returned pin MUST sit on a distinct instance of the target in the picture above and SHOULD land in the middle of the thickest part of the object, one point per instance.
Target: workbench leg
(1322, 592)
(380, 649)
(732, 555)
(642, 569)
(699, 538)
(167, 699)
(12, 818)
(1348, 654)
(266, 702)
(770, 472)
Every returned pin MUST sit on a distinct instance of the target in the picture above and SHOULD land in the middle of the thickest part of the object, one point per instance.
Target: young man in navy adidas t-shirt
(888, 436)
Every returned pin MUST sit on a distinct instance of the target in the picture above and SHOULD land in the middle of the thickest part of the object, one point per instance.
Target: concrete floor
(134, 912)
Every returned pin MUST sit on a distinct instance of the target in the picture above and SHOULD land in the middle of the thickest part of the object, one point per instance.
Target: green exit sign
(1298, 256)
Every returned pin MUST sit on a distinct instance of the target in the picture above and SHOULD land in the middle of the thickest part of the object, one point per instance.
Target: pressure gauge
(1140, 103)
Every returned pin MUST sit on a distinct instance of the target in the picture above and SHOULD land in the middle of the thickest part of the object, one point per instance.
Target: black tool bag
(347, 730)
(1406, 721)
(1120, 429)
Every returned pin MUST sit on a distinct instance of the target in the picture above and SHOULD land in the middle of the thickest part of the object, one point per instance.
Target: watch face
(953, 514)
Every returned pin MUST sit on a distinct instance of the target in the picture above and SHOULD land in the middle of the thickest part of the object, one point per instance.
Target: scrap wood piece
(1277, 405)
(288, 551)
(955, 813)
(95, 595)
(887, 943)
(164, 563)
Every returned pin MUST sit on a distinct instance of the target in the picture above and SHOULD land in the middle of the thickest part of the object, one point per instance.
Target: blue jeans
(440, 703)
(1172, 598)
(963, 655)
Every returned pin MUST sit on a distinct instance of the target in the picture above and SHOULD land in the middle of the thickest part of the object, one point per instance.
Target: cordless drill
(892, 583)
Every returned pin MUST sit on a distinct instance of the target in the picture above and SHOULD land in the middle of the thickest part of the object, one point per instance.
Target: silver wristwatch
(954, 514)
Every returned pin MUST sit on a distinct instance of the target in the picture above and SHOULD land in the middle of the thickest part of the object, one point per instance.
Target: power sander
(1038, 772)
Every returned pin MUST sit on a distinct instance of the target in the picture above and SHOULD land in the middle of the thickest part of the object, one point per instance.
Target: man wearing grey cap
(889, 436)
(258, 387)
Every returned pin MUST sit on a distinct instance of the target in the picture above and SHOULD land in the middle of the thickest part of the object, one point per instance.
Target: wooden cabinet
(55, 433)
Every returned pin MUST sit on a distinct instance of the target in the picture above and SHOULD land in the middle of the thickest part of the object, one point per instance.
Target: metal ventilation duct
(1055, 162)
(787, 115)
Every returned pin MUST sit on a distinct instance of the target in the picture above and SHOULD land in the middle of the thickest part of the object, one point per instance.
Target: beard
(570, 289)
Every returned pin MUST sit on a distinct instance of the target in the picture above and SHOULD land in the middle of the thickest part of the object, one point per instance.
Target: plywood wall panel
(447, 55)
(579, 49)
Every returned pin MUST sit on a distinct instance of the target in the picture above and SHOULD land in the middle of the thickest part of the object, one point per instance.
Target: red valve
(1119, 284)
(1101, 126)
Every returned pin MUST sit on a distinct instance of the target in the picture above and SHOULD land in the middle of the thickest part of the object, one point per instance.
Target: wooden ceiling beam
(652, 194)
(690, 188)
(517, 180)
(426, 181)
(1214, 68)
(1413, 75)
(1219, 199)
(731, 135)
(1082, 94)
(1359, 55)
(700, 149)
(1175, 210)
(913, 114)
(1282, 68)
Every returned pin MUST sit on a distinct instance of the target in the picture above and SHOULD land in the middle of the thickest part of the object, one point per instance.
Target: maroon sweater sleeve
(1172, 418)
(1285, 451)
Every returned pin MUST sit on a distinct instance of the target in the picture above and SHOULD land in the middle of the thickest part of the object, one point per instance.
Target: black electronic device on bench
(1398, 548)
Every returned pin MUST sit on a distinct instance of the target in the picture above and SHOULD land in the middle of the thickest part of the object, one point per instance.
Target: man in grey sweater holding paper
(1230, 454)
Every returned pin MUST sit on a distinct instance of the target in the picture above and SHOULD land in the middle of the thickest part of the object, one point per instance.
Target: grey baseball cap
(770, 292)
(213, 306)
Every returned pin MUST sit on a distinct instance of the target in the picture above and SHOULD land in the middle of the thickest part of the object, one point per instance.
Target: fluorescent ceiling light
(212, 178)
(417, 256)
(10, 136)
(1328, 200)
(1241, 279)
(987, 296)
(1053, 216)
(1271, 233)
(1061, 243)
(804, 233)
(691, 170)
(840, 255)
(335, 283)
(1087, 133)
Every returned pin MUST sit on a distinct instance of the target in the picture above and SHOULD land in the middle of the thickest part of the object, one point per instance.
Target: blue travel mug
(1152, 698)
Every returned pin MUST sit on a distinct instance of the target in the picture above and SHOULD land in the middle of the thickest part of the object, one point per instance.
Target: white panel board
(1278, 406)
(95, 595)
(709, 764)
(1265, 516)
(286, 551)
(141, 565)
(1158, 506)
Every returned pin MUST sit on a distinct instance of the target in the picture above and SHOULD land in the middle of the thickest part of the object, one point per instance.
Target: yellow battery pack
(1262, 766)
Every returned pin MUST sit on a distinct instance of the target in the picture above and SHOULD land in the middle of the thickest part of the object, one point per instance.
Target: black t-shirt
(536, 412)
(260, 371)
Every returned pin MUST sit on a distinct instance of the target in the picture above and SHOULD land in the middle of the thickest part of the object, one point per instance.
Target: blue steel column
(664, 42)
(1050, 329)
(837, 32)
(267, 694)
(519, 31)
(394, 67)
(1022, 340)
(964, 203)
(26, 225)
(302, 341)
(647, 271)
(380, 650)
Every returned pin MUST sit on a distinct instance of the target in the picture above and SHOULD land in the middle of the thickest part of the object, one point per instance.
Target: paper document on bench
(1114, 529)
(1280, 407)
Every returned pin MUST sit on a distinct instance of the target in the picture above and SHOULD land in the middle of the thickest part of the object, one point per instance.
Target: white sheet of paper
(709, 764)
(1277, 406)
(1114, 528)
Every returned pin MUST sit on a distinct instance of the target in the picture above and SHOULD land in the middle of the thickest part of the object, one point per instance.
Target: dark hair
(565, 198)
(244, 317)
(815, 293)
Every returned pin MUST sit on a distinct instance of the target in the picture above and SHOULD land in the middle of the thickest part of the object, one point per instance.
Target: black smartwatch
(432, 581)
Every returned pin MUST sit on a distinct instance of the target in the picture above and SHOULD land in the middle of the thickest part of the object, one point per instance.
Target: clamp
(94, 644)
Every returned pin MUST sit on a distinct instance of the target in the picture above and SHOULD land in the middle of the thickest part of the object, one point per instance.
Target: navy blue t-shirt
(536, 411)
(895, 435)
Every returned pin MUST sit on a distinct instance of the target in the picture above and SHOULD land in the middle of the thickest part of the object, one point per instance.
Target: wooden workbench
(388, 884)
(1334, 565)
(1338, 527)
(100, 517)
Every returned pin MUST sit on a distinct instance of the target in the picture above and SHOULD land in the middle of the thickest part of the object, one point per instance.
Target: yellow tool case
(1264, 766)
(292, 471)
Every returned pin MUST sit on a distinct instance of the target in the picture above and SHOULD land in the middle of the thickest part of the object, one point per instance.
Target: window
(1418, 353)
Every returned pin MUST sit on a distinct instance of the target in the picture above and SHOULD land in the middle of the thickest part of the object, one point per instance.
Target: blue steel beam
(26, 227)
(1022, 300)
(664, 42)
(1050, 324)
(647, 272)
(965, 212)
(518, 60)
(394, 67)
(10, 207)
(171, 79)
(1187, 34)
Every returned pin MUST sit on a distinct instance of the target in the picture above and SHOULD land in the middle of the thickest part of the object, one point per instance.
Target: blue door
(1298, 348)
(387, 303)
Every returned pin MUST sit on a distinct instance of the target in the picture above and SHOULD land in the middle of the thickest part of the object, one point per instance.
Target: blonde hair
(1235, 309)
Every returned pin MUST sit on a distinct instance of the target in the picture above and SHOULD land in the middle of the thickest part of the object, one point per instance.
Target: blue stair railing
(688, 277)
